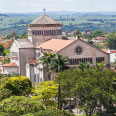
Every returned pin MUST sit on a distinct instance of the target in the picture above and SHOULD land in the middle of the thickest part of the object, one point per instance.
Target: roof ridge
(44, 19)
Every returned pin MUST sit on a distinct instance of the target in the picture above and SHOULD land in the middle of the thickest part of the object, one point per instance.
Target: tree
(47, 58)
(83, 66)
(56, 63)
(1, 50)
(50, 113)
(46, 92)
(18, 85)
(19, 105)
(98, 33)
(59, 64)
(111, 39)
(95, 90)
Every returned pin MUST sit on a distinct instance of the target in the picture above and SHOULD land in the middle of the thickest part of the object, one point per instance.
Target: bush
(19, 105)
(50, 113)
(19, 85)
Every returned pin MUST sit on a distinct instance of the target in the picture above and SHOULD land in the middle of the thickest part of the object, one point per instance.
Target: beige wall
(26, 54)
(11, 70)
(40, 38)
(88, 51)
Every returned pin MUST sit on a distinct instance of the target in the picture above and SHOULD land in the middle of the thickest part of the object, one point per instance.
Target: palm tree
(84, 66)
(47, 58)
(56, 63)
(59, 64)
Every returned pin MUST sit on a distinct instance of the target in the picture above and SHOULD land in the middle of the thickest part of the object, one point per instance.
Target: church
(45, 35)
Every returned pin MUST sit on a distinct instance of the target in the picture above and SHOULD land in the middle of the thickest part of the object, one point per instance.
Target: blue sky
(20, 6)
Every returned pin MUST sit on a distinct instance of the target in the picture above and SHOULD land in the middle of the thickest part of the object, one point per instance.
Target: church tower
(43, 29)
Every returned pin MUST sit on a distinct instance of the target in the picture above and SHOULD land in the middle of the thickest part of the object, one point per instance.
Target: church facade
(45, 35)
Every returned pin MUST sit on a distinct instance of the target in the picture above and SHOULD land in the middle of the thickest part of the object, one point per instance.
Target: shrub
(19, 85)
(20, 105)
(50, 113)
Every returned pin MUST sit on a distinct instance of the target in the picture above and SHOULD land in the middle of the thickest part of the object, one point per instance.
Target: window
(78, 50)
(75, 61)
(99, 59)
(14, 55)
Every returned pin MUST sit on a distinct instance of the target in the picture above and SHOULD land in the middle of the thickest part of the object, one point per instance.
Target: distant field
(70, 22)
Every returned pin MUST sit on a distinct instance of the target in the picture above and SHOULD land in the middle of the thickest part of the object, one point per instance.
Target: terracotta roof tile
(113, 68)
(105, 50)
(113, 51)
(32, 61)
(55, 44)
(12, 64)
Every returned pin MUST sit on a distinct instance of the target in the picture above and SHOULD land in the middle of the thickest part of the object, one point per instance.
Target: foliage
(111, 39)
(46, 92)
(6, 61)
(50, 113)
(4, 93)
(98, 33)
(94, 88)
(2, 53)
(18, 85)
(20, 105)
(83, 66)
(55, 62)
(7, 51)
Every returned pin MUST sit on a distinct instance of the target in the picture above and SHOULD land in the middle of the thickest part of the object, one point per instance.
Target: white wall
(14, 48)
(10, 70)
(112, 57)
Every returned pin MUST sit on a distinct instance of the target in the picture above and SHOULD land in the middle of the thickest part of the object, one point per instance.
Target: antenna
(44, 10)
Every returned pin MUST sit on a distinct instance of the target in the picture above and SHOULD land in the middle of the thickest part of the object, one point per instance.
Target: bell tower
(43, 29)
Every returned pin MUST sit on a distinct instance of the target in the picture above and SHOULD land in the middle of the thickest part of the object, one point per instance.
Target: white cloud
(56, 5)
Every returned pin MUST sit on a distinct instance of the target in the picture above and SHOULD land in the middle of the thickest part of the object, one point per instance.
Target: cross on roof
(44, 10)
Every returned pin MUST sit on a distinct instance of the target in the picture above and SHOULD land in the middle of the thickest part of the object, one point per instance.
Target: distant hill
(4, 15)
(62, 13)
(104, 21)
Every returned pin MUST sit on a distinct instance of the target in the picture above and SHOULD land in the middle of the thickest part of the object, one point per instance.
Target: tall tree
(111, 39)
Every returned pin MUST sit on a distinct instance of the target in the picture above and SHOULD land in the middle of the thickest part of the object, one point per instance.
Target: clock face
(78, 50)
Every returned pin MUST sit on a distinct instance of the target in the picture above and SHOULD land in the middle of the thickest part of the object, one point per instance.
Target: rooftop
(32, 61)
(55, 44)
(44, 19)
(24, 43)
(11, 64)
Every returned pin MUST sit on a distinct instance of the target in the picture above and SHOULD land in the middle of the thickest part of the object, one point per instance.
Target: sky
(24, 6)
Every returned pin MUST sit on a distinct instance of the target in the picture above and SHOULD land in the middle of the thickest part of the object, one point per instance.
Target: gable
(14, 47)
(87, 50)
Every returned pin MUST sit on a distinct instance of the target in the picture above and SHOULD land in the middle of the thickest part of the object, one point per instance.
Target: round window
(79, 50)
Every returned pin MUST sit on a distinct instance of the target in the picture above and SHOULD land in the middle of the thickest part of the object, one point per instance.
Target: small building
(11, 68)
(112, 55)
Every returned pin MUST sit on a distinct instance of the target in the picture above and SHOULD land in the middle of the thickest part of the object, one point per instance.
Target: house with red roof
(112, 55)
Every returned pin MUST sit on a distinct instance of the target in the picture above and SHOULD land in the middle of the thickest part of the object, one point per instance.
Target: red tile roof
(55, 44)
(113, 68)
(105, 50)
(32, 61)
(113, 51)
(12, 64)
(100, 38)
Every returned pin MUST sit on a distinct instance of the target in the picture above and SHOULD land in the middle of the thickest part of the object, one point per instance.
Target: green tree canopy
(17, 85)
(111, 39)
(94, 88)
(19, 105)
(2, 50)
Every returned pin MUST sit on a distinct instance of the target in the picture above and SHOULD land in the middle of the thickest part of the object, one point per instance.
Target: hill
(104, 21)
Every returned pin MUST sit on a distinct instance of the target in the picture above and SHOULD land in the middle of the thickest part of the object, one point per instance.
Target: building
(45, 35)
(112, 55)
